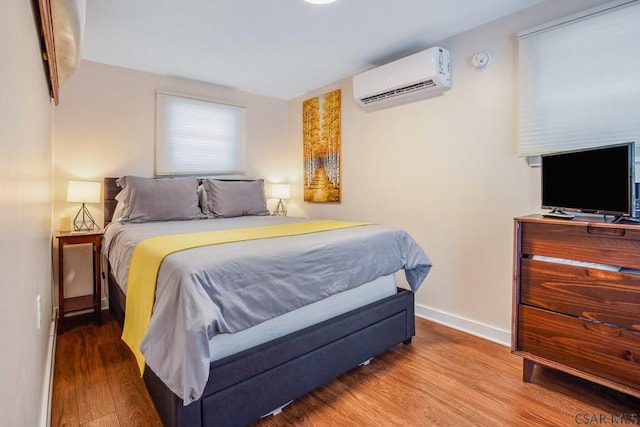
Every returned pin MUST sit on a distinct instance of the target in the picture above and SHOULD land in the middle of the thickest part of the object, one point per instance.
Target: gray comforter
(226, 288)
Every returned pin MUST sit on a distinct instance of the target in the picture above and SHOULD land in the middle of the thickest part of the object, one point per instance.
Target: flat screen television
(598, 180)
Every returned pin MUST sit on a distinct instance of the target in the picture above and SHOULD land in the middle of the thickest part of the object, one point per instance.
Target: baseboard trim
(47, 387)
(472, 327)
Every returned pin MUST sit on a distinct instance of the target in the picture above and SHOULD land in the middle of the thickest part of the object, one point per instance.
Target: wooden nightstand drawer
(606, 296)
(609, 352)
(600, 243)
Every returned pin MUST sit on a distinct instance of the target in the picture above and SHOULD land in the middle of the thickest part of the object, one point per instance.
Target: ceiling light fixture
(320, 1)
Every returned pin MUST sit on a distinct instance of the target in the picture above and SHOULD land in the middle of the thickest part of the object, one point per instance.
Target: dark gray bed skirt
(247, 385)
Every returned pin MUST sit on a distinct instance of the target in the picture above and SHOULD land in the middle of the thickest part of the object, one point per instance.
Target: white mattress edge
(223, 345)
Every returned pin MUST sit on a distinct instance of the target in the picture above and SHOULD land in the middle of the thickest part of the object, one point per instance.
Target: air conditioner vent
(400, 91)
(421, 75)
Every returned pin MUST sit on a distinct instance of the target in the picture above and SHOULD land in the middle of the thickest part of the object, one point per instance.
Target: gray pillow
(227, 199)
(159, 199)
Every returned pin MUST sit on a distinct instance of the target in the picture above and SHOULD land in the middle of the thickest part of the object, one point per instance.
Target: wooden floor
(444, 378)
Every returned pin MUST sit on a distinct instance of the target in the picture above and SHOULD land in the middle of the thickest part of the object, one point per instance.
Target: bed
(256, 362)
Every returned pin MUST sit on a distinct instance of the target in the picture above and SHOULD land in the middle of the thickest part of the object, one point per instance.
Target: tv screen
(594, 180)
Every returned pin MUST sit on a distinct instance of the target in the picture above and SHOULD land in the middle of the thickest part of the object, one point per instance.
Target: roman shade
(579, 80)
(198, 137)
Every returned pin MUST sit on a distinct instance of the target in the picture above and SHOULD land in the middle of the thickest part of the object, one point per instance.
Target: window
(579, 80)
(198, 137)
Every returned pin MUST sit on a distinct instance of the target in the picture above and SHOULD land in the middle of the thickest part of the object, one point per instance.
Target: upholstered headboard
(111, 190)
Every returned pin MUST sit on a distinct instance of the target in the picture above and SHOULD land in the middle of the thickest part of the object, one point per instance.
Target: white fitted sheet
(224, 345)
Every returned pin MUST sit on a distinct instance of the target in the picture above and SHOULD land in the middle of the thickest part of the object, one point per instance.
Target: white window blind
(580, 81)
(198, 137)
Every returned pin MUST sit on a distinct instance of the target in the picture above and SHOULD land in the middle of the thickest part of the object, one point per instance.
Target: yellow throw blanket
(149, 254)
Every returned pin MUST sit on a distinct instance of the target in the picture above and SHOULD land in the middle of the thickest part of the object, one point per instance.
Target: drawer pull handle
(606, 231)
(601, 328)
(630, 356)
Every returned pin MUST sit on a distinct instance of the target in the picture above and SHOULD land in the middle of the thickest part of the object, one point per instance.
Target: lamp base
(84, 221)
(281, 210)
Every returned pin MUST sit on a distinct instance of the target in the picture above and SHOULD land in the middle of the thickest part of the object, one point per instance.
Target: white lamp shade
(280, 191)
(84, 192)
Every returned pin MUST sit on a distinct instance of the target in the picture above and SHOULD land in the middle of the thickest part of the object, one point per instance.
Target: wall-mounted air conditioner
(418, 76)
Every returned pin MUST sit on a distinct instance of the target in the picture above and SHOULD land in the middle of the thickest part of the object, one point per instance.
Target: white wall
(446, 170)
(105, 127)
(25, 216)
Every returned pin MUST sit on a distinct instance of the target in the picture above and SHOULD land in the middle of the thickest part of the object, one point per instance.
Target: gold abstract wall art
(322, 148)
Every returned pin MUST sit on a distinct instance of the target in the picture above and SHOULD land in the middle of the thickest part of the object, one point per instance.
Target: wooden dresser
(579, 318)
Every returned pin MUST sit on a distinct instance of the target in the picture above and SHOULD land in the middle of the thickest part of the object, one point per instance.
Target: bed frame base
(246, 386)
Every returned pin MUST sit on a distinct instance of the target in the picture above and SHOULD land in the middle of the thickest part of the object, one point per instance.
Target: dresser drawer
(606, 296)
(608, 352)
(599, 243)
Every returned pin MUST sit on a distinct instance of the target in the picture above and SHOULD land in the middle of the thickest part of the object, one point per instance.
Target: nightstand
(85, 302)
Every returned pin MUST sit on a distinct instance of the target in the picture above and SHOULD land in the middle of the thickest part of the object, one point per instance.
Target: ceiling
(277, 48)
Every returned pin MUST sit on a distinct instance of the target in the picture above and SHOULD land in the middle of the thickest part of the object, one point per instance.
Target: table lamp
(84, 192)
(280, 192)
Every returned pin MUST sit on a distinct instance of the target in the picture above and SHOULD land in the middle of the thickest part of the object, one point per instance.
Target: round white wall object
(480, 60)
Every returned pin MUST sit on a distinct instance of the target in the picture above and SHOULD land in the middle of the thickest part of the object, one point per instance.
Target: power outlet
(38, 312)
